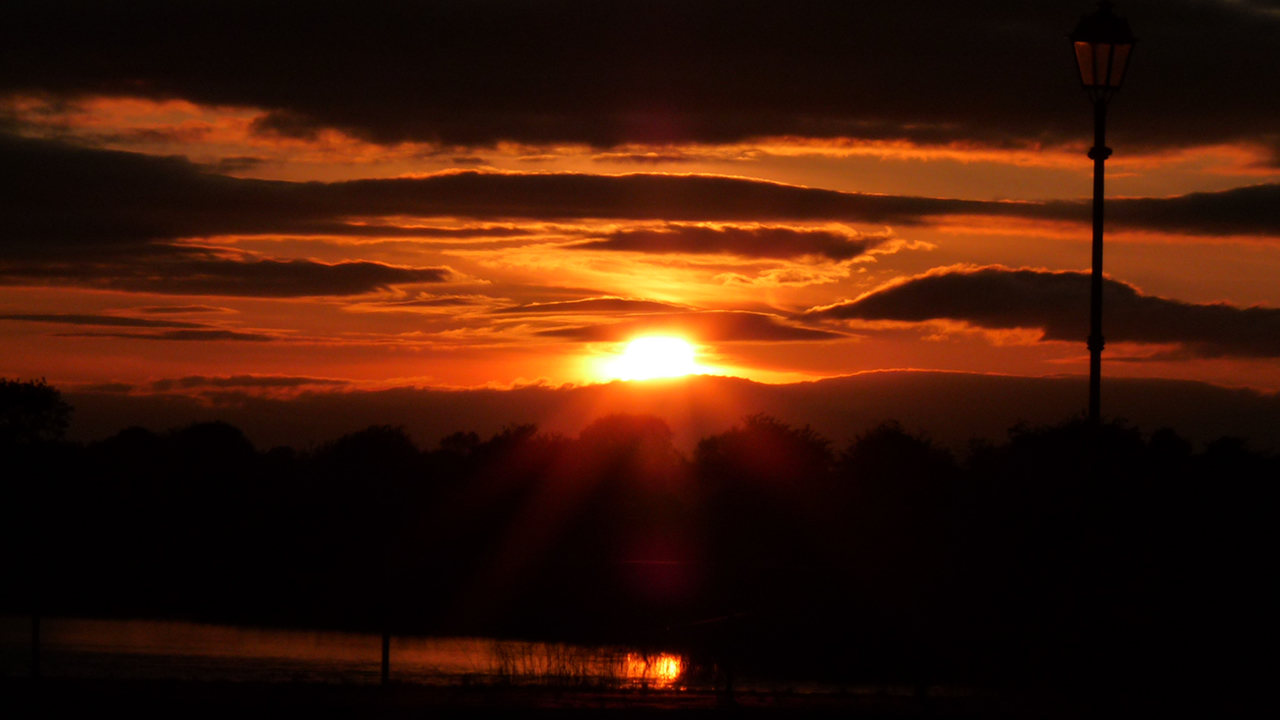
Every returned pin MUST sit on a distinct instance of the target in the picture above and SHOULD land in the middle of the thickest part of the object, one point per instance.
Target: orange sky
(524, 294)
(379, 338)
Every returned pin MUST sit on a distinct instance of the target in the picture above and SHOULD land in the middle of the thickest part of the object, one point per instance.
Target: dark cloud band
(644, 71)
(115, 220)
(102, 321)
(198, 276)
(123, 201)
(1058, 304)
(754, 242)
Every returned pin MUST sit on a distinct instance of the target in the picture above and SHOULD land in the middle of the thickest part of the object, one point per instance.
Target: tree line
(1061, 555)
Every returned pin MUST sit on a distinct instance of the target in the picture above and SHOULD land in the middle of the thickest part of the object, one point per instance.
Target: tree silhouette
(31, 412)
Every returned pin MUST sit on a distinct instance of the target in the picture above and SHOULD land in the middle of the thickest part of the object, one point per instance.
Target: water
(151, 649)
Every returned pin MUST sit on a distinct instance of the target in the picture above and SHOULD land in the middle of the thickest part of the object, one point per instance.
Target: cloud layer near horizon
(1057, 303)
(480, 72)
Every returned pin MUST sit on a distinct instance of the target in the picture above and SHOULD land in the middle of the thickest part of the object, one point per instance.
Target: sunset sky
(497, 193)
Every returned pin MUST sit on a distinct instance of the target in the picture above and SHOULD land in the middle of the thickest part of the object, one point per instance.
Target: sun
(655, 357)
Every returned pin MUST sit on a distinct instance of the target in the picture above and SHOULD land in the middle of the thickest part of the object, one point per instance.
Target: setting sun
(654, 357)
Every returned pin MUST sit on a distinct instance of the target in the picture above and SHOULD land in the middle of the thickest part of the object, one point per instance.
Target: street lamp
(1103, 44)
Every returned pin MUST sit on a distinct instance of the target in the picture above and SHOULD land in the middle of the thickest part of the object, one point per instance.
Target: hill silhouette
(954, 407)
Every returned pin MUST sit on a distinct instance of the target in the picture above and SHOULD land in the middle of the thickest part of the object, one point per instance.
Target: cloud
(195, 274)
(277, 278)
(646, 158)
(237, 163)
(754, 242)
(124, 221)
(127, 200)
(101, 321)
(145, 329)
(698, 327)
(106, 388)
(179, 309)
(575, 196)
(1253, 210)
(194, 382)
(186, 335)
(113, 220)
(633, 71)
(131, 203)
(585, 306)
(1057, 302)
(424, 300)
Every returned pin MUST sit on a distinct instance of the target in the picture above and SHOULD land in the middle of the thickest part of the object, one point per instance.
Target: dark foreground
(140, 700)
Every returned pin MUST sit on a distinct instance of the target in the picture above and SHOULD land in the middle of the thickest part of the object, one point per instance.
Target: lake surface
(151, 649)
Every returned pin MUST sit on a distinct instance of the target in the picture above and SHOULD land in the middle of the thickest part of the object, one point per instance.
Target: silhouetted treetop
(889, 453)
(377, 447)
(461, 443)
(633, 446)
(765, 449)
(31, 411)
(621, 430)
(515, 443)
(208, 440)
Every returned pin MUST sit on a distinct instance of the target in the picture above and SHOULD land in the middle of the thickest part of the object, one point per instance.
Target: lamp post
(1103, 44)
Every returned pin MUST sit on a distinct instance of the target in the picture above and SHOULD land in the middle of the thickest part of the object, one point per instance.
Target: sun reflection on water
(660, 671)
(148, 649)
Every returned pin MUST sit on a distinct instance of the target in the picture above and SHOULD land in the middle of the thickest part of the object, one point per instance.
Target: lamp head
(1103, 43)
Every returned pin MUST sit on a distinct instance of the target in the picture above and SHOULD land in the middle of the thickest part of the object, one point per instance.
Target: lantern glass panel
(1102, 63)
(1118, 61)
(1084, 56)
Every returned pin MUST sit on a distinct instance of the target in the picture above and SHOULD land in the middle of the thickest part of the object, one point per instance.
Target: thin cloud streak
(197, 382)
(712, 327)
(100, 320)
(164, 329)
(185, 336)
(590, 306)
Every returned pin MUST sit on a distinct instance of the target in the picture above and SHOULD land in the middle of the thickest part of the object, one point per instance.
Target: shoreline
(141, 699)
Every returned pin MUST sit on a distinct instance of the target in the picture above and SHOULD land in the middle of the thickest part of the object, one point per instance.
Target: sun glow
(654, 357)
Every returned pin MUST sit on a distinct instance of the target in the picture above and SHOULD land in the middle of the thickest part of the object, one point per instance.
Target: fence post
(386, 657)
(35, 645)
